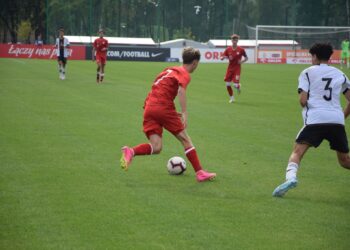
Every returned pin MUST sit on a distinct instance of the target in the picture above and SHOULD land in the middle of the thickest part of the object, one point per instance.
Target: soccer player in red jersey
(100, 48)
(233, 73)
(160, 112)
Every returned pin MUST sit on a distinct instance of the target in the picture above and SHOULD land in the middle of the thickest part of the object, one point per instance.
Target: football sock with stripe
(192, 156)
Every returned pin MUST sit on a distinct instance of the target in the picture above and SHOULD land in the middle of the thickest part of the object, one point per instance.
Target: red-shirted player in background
(160, 112)
(100, 48)
(233, 73)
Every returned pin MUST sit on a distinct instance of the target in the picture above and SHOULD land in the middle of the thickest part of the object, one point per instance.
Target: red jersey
(165, 87)
(101, 46)
(234, 56)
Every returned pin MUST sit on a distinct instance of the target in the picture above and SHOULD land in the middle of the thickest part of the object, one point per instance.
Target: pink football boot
(126, 159)
(202, 175)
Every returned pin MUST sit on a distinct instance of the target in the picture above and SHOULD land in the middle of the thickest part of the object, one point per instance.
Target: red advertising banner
(38, 52)
(292, 56)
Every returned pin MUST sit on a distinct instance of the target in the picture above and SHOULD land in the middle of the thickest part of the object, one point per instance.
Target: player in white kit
(320, 87)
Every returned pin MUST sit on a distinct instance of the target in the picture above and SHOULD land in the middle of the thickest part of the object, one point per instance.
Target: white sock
(291, 171)
(236, 85)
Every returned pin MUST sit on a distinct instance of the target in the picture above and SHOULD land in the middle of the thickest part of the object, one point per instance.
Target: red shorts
(155, 118)
(233, 75)
(100, 59)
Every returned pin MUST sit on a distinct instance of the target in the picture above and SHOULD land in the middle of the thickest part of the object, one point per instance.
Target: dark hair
(323, 51)
(190, 54)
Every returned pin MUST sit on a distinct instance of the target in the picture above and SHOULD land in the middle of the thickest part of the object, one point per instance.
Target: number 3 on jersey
(327, 88)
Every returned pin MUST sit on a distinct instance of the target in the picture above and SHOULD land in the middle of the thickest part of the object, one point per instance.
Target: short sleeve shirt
(324, 85)
(62, 45)
(166, 86)
(345, 45)
(101, 45)
(234, 56)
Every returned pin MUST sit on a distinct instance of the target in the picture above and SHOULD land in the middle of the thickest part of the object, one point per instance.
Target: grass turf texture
(61, 186)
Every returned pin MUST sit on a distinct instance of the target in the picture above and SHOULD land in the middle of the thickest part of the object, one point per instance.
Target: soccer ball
(176, 165)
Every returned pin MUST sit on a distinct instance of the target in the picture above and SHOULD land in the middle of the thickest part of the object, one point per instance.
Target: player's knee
(345, 164)
(157, 149)
(344, 161)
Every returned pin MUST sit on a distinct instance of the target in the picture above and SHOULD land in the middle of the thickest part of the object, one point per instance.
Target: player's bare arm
(244, 60)
(183, 104)
(303, 98)
(347, 107)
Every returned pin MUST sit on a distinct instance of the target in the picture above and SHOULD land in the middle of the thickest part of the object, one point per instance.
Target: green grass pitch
(61, 186)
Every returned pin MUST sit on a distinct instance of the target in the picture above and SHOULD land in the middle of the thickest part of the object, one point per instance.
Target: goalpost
(297, 37)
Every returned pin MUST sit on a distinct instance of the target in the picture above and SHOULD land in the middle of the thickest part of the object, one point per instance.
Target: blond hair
(235, 36)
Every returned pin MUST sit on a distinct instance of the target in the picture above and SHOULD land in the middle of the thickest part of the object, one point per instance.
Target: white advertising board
(211, 55)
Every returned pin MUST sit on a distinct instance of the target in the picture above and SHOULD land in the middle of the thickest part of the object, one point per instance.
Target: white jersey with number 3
(324, 85)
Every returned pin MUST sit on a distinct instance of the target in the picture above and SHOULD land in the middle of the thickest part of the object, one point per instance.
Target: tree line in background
(200, 20)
